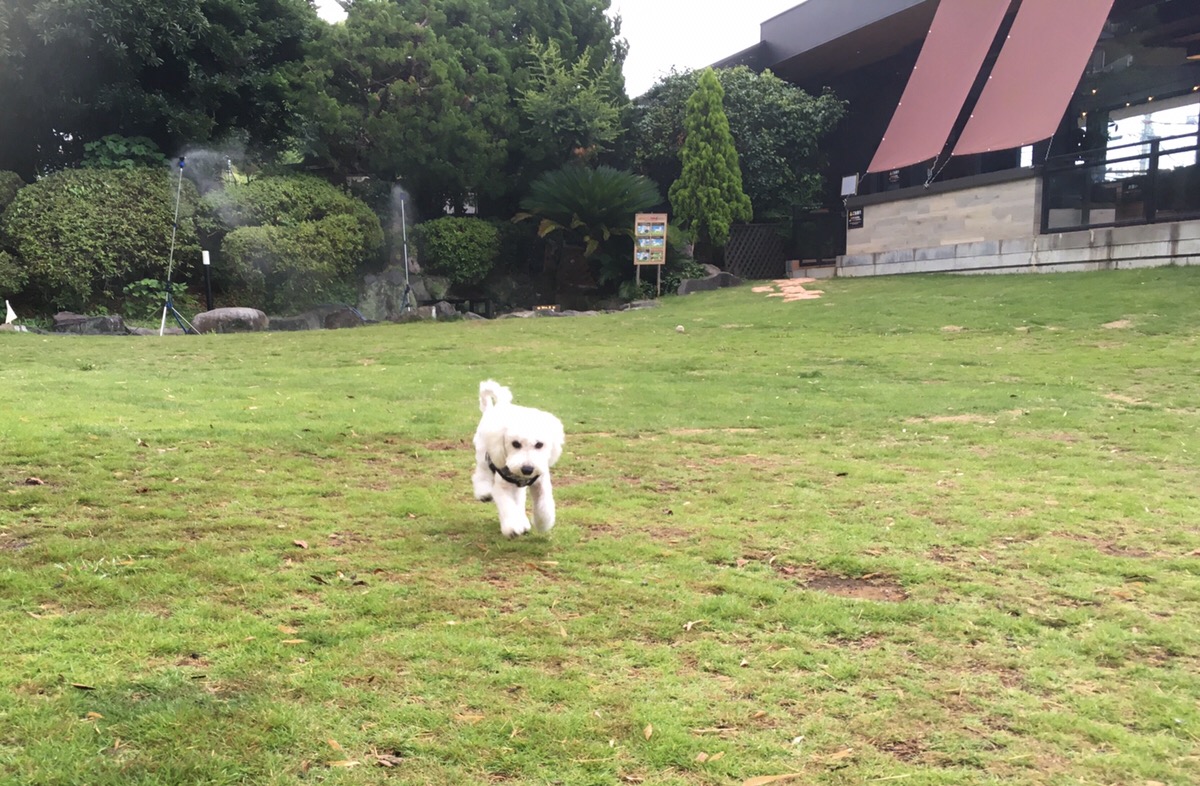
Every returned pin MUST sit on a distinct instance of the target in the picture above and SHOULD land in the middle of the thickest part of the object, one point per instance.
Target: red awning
(1035, 75)
(959, 38)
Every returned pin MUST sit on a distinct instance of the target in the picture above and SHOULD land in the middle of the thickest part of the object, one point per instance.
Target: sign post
(207, 279)
(650, 245)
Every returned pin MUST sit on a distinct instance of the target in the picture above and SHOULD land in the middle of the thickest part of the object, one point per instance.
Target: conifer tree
(708, 197)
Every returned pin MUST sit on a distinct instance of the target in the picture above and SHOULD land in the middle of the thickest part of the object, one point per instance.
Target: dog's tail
(492, 393)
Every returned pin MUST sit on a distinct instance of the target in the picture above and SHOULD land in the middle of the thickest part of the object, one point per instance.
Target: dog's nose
(527, 469)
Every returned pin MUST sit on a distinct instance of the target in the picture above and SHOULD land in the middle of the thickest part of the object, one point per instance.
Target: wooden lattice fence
(755, 251)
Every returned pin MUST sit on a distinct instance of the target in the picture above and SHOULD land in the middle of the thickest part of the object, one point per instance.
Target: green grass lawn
(928, 530)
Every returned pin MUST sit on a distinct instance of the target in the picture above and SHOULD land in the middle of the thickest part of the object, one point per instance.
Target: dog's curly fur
(515, 447)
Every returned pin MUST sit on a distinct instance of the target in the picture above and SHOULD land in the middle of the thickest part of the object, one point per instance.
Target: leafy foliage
(285, 269)
(10, 184)
(145, 297)
(588, 205)
(187, 71)
(708, 196)
(462, 249)
(120, 152)
(290, 242)
(397, 98)
(570, 106)
(426, 92)
(776, 129)
(82, 235)
(290, 200)
(12, 275)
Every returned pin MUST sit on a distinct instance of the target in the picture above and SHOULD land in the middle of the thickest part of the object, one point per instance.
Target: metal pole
(162, 328)
(407, 303)
(404, 234)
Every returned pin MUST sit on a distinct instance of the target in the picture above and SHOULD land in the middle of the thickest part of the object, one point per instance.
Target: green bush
(12, 276)
(520, 248)
(123, 152)
(83, 234)
(10, 184)
(290, 200)
(592, 207)
(145, 298)
(461, 249)
(285, 269)
(291, 242)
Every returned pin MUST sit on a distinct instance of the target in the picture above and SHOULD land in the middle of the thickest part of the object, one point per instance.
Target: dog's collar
(516, 480)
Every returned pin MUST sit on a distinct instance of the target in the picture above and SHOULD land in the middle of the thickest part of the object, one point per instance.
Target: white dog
(515, 447)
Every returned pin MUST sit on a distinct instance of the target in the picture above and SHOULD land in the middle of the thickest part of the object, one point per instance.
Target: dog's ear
(556, 441)
(497, 447)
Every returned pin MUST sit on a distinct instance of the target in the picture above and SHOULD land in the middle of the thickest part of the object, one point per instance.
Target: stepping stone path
(790, 289)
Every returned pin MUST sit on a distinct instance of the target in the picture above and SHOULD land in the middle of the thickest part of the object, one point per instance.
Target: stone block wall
(993, 212)
(995, 229)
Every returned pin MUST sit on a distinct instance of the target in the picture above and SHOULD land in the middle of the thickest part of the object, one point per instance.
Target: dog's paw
(484, 497)
(514, 529)
(543, 523)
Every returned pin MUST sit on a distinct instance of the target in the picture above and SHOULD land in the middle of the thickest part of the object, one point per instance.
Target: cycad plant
(589, 206)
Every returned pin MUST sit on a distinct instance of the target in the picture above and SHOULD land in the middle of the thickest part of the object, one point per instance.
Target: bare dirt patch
(873, 586)
(1104, 546)
(670, 535)
(904, 750)
(863, 643)
(1117, 550)
(952, 328)
(1123, 399)
(448, 444)
(691, 432)
(348, 539)
(964, 418)
(13, 544)
(1117, 324)
(193, 660)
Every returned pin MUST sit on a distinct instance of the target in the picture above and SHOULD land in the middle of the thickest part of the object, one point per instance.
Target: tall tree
(708, 198)
(777, 129)
(571, 109)
(428, 92)
(409, 91)
(179, 73)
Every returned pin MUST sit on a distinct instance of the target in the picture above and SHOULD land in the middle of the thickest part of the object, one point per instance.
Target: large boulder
(67, 322)
(381, 297)
(230, 320)
(327, 317)
(719, 280)
(440, 310)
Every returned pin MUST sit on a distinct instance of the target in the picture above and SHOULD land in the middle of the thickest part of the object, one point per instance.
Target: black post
(1150, 197)
(207, 280)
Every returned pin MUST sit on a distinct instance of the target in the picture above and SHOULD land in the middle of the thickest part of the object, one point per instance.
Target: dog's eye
(516, 444)
(538, 446)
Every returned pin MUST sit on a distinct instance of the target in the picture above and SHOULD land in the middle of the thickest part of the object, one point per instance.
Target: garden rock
(67, 322)
(381, 297)
(637, 305)
(439, 310)
(327, 317)
(714, 282)
(230, 320)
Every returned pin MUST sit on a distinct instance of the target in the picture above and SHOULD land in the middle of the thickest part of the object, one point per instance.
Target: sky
(680, 33)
